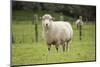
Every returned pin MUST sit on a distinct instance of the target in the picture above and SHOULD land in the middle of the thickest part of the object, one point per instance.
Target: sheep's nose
(46, 24)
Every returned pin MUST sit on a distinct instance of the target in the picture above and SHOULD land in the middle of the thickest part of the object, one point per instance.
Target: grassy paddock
(26, 51)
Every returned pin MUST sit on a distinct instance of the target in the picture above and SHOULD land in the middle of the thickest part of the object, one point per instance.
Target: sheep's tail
(70, 30)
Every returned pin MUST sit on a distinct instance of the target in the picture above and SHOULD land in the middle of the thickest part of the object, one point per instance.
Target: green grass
(26, 51)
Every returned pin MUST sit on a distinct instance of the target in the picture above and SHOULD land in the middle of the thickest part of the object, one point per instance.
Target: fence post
(23, 36)
(61, 18)
(12, 39)
(36, 27)
(80, 32)
(80, 28)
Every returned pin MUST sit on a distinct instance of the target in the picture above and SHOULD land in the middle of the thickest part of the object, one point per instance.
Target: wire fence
(28, 29)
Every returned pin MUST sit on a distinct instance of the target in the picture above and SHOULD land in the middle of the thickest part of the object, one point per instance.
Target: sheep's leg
(67, 46)
(63, 47)
(57, 47)
(49, 46)
(77, 26)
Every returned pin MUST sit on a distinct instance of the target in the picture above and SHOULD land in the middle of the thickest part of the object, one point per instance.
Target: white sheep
(56, 32)
(79, 22)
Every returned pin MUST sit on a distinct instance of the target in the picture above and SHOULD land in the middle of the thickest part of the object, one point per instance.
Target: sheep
(56, 32)
(79, 22)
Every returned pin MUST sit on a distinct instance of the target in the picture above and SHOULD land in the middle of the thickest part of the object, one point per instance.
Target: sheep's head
(80, 17)
(47, 20)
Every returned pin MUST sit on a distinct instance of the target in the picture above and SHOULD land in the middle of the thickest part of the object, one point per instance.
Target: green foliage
(66, 9)
(19, 16)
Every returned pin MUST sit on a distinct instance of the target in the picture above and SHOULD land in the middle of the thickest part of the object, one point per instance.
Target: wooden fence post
(80, 27)
(80, 32)
(61, 18)
(23, 36)
(36, 27)
(12, 39)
